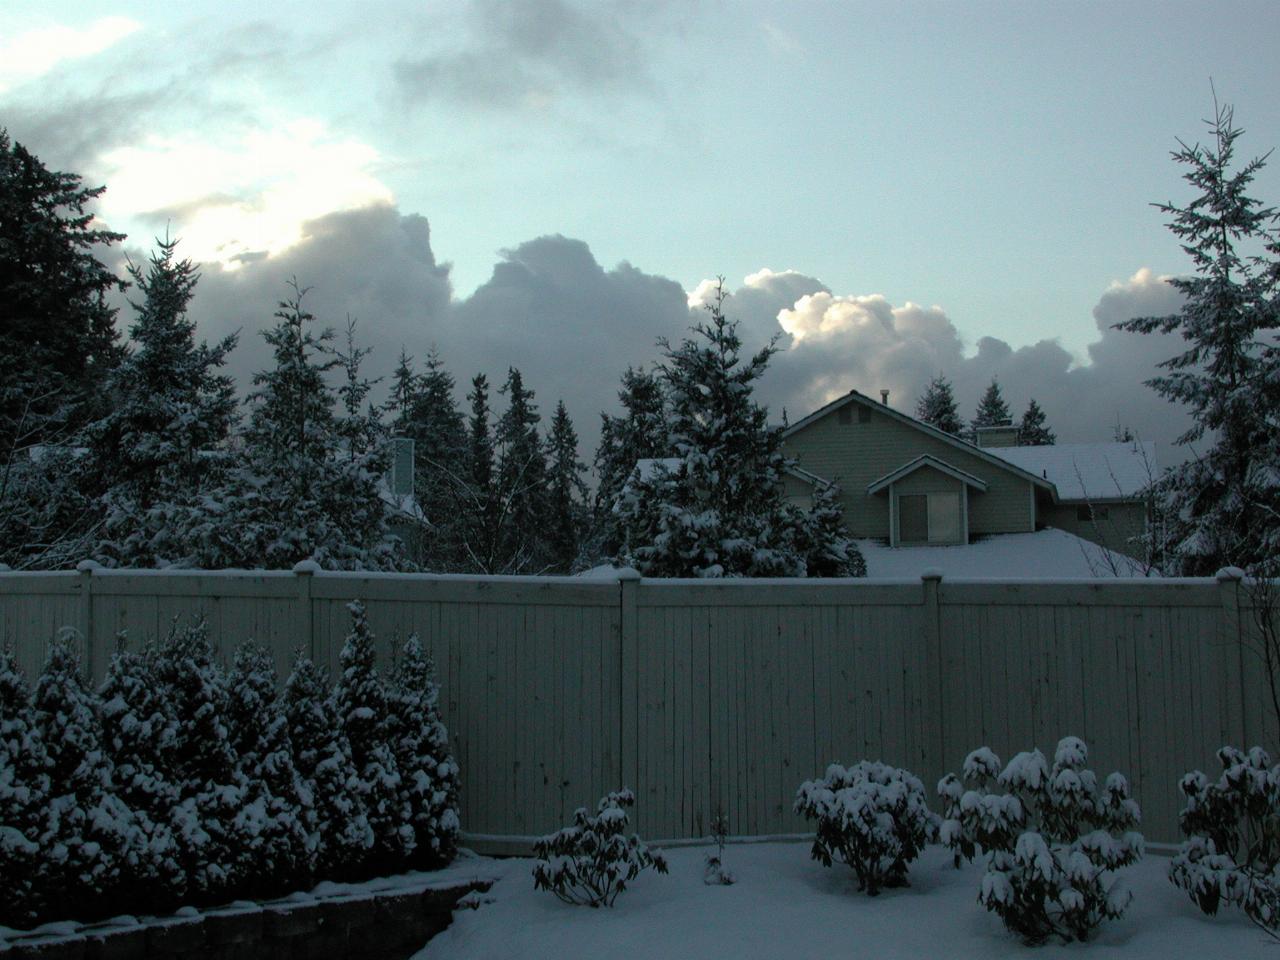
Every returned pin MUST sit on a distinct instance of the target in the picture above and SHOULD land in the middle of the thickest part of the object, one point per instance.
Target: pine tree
(139, 734)
(160, 449)
(342, 838)
(428, 772)
(825, 544)
(642, 433)
(521, 481)
(720, 512)
(567, 493)
(440, 452)
(1224, 500)
(278, 816)
(361, 704)
(1032, 431)
(57, 331)
(404, 387)
(93, 836)
(359, 424)
(937, 407)
(481, 502)
(992, 411)
(25, 879)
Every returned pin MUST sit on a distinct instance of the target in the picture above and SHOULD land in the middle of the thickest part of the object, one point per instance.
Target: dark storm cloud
(519, 53)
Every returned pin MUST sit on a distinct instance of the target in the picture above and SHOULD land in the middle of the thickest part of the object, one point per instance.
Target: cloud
(529, 54)
(33, 53)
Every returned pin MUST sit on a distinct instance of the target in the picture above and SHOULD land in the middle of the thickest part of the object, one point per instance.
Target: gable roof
(983, 453)
(1089, 471)
(926, 460)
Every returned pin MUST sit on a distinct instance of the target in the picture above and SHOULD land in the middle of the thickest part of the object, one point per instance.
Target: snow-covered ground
(786, 905)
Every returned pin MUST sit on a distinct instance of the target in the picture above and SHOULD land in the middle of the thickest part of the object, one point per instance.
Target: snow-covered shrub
(322, 757)
(360, 701)
(24, 801)
(1232, 851)
(1053, 839)
(872, 816)
(714, 873)
(277, 817)
(428, 772)
(591, 862)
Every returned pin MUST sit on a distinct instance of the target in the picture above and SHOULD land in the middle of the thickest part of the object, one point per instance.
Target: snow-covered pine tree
(823, 541)
(1032, 431)
(211, 790)
(93, 836)
(720, 511)
(992, 410)
(937, 407)
(428, 772)
(440, 455)
(1223, 502)
(25, 878)
(342, 839)
(299, 494)
(567, 494)
(521, 481)
(480, 507)
(278, 817)
(360, 701)
(641, 433)
(359, 422)
(159, 450)
(138, 734)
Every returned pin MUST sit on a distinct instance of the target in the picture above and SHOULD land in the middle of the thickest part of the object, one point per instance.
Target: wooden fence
(705, 695)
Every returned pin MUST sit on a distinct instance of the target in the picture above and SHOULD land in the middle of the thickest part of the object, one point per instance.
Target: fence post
(304, 570)
(86, 568)
(628, 663)
(931, 582)
(1232, 632)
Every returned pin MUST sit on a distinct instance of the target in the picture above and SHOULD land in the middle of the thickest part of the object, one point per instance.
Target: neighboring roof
(808, 477)
(1089, 471)
(1045, 554)
(920, 462)
(853, 396)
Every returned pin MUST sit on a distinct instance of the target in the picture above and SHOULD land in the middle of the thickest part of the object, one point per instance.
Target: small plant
(714, 872)
(1232, 851)
(873, 817)
(1053, 839)
(591, 862)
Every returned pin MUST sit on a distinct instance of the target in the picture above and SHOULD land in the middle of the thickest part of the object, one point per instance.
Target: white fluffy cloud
(33, 53)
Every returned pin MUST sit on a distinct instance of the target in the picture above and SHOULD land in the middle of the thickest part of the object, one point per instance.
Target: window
(930, 518)
(1086, 513)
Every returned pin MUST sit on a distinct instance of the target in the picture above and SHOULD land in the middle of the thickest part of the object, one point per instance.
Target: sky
(894, 190)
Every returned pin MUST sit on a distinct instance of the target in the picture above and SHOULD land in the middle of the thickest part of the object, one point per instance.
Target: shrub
(24, 801)
(1232, 851)
(1053, 840)
(872, 816)
(591, 862)
(714, 873)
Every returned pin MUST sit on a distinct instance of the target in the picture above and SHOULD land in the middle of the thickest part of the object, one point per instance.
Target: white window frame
(895, 511)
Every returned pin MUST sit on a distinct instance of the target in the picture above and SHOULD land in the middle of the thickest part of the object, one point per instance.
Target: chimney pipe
(884, 397)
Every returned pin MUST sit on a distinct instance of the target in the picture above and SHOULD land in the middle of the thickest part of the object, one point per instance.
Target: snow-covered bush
(872, 816)
(591, 862)
(1053, 839)
(24, 801)
(420, 742)
(1232, 851)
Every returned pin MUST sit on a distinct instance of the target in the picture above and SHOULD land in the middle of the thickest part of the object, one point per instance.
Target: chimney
(1003, 434)
(884, 397)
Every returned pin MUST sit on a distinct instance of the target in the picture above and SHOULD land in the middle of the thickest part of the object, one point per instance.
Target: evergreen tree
(521, 481)
(992, 411)
(641, 433)
(160, 449)
(57, 331)
(138, 734)
(428, 772)
(404, 388)
(342, 838)
(937, 407)
(361, 705)
(359, 424)
(25, 879)
(720, 512)
(93, 837)
(1032, 431)
(481, 502)
(1223, 502)
(823, 541)
(567, 493)
(440, 456)
(278, 817)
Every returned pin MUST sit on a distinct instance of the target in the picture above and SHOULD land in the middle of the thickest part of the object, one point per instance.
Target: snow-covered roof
(926, 460)
(1045, 554)
(1089, 471)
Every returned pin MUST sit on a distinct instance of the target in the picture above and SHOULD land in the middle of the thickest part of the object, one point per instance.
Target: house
(908, 484)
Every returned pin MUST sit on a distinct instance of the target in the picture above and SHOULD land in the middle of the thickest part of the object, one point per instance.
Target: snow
(1046, 554)
(1083, 471)
(786, 905)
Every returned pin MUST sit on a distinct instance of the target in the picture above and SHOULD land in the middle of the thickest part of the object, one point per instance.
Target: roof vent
(884, 397)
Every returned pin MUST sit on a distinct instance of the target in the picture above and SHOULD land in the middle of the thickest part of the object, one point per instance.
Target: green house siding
(1112, 525)
(857, 454)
